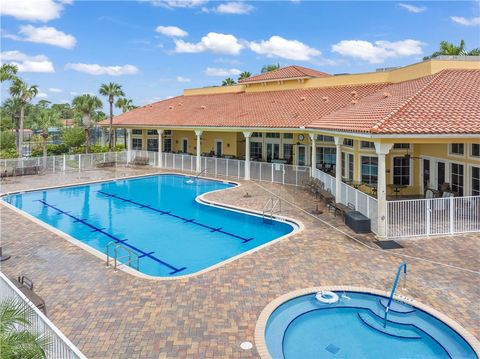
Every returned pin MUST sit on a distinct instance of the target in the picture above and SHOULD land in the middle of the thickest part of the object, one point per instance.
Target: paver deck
(117, 315)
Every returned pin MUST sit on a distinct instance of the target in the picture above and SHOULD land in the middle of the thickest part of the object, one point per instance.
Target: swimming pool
(158, 217)
(302, 327)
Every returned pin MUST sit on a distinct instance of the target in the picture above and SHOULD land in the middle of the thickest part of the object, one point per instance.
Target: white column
(198, 133)
(129, 144)
(313, 162)
(247, 154)
(160, 148)
(338, 169)
(382, 149)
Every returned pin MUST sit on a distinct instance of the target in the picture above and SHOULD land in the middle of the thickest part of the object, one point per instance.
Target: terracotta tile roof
(286, 73)
(447, 102)
(287, 108)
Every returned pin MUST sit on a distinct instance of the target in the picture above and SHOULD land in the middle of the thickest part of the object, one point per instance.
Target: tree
(86, 105)
(449, 49)
(64, 109)
(268, 68)
(125, 104)
(16, 340)
(111, 90)
(44, 120)
(10, 113)
(73, 137)
(244, 75)
(8, 72)
(24, 93)
(228, 82)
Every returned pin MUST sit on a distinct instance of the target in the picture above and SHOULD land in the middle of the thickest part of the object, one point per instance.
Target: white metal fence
(60, 346)
(433, 216)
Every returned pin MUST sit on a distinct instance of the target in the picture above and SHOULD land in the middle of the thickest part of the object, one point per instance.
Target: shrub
(11, 153)
(52, 150)
(7, 140)
(73, 137)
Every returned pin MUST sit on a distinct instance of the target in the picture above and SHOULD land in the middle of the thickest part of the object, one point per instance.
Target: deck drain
(332, 349)
(246, 345)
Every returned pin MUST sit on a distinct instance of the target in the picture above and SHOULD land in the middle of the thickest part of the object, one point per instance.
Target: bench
(140, 161)
(342, 209)
(25, 286)
(106, 164)
(28, 170)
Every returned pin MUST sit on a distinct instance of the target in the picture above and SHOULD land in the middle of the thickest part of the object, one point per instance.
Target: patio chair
(25, 285)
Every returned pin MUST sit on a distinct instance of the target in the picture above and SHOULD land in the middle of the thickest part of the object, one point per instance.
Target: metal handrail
(133, 257)
(392, 293)
(272, 202)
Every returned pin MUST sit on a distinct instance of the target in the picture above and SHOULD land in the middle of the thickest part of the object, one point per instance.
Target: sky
(157, 48)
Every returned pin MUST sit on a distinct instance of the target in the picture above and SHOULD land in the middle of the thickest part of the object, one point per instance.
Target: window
(272, 135)
(137, 143)
(152, 132)
(348, 142)
(367, 144)
(288, 135)
(185, 145)
(167, 145)
(152, 144)
(457, 149)
(369, 169)
(326, 155)
(323, 138)
(347, 165)
(475, 181)
(457, 178)
(256, 150)
(401, 171)
(136, 132)
(167, 132)
(257, 134)
(288, 152)
(475, 150)
(404, 146)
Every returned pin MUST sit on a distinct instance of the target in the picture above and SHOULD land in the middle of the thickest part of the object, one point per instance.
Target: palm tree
(44, 120)
(111, 90)
(244, 75)
(449, 49)
(16, 341)
(86, 105)
(126, 105)
(24, 94)
(268, 68)
(8, 72)
(228, 82)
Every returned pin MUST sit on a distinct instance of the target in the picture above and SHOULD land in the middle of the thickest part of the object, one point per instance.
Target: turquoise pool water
(155, 216)
(303, 328)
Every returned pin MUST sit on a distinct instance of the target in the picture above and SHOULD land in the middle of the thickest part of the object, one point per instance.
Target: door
(218, 148)
(301, 155)
(273, 151)
(426, 174)
(440, 174)
(185, 145)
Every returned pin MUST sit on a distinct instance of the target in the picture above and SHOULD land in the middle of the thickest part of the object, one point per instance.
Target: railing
(131, 259)
(270, 206)
(60, 346)
(433, 216)
(392, 293)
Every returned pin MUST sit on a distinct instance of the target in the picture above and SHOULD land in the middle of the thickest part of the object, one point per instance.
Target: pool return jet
(397, 277)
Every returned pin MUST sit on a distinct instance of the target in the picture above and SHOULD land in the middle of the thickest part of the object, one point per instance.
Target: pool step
(396, 306)
(392, 329)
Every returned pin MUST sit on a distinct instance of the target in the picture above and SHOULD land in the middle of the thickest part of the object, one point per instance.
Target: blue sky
(157, 48)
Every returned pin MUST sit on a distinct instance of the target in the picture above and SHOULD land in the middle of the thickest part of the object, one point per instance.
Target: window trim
(360, 165)
(450, 153)
(465, 175)
(470, 152)
(410, 170)
(470, 179)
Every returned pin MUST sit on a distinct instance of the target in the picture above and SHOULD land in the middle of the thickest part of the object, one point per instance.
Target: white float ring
(327, 297)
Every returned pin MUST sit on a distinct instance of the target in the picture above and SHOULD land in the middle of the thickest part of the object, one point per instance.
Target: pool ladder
(392, 293)
(131, 256)
(270, 208)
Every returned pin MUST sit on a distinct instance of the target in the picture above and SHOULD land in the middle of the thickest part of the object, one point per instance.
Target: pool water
(304, 328)
(157, 217)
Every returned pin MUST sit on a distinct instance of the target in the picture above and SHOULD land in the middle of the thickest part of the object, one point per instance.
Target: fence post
(64, 162)
(53, 164)
(452, 217)
(296, 176)
(182, 161)
(427, 216)
(260, 165)
(283, 173)
(272, 171)
(79, 163)
(226, 168)
(238, 161)
(216, 164)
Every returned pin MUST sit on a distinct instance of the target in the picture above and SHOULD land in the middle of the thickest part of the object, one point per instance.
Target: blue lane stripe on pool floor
(169, 213)
(101, 230)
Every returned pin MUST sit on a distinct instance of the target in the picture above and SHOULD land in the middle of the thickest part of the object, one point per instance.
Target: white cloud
(33, 10)
(183, 79)
(171, 4)
(54, 89)
(378, 51)
(26, 63)
(95, 69)
(277, 46)
(474, 21)
(235, 7)
(214, 71)
(413, 8)
(171, 31)
(42, 95)
(212, 42)
(44, 35)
